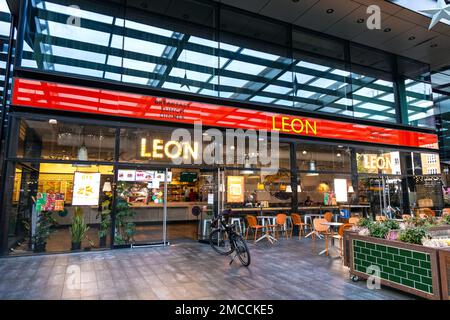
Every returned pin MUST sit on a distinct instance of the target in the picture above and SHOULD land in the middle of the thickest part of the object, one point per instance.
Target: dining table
(331, 225)
(267, 221)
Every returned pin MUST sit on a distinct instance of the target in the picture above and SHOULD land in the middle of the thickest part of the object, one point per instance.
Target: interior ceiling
(408, 36)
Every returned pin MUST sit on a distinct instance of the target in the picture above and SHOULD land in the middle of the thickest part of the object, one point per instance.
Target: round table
(330, 224)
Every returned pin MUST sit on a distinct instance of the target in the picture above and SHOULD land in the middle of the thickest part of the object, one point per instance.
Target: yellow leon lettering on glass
(144, 153)
(284, 124)
(300, 126)
(157, 146)
(189, 151)
(274, 124)
(175, 145)
(313, 127)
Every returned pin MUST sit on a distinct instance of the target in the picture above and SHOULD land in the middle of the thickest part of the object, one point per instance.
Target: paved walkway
(290, 269)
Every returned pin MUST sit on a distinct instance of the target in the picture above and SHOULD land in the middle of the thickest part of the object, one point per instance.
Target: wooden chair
(297, 221)
(280, 221)
(328, 216)
(321, 229)
(380, 218)
(353, 220)
(340, 236)
(252, 224)
(427, 211)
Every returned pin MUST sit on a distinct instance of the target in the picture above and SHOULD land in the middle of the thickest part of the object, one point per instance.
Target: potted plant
(104, 222)
(78, 231)
(42, 232)
(125, 229)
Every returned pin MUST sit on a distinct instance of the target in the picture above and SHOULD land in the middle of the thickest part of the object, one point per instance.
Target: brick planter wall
(407, 267)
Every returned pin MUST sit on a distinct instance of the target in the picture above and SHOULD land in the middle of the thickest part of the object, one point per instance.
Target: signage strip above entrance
(56, 96)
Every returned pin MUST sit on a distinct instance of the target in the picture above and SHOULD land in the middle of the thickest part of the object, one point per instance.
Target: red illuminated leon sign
(56, 96)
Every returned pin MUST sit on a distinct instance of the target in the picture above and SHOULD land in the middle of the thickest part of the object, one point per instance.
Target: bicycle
(225, 240)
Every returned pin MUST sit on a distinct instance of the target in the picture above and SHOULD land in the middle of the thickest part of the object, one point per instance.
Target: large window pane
(421, 109)
(318, 158)
(58, 140)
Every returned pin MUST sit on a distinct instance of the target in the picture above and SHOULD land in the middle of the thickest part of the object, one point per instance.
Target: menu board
(49, 201)
(235, 189)
(126, 175)
(86, 189)
(340, 188)
(142, 175)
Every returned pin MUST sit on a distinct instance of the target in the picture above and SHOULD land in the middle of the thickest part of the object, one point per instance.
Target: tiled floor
(290, 269)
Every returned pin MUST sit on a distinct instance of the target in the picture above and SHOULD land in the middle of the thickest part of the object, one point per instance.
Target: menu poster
(160, 176)
(126, 175)
(142, 175)
(235, 190)
(41, 199)
(86, 189)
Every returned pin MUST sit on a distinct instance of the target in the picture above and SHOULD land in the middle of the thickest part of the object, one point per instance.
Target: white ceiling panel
(287, 10)
(317, 17)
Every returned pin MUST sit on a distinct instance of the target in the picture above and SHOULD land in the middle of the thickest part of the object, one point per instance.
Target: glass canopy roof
(109, 46)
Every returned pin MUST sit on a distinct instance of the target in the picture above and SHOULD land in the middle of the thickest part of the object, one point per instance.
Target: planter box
(407, 267)
(444, 264)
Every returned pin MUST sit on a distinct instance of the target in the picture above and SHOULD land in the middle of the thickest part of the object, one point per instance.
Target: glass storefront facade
(153, 200)
(215, 56)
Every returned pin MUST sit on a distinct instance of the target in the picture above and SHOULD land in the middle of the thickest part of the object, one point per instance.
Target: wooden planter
(444, 266)
(407, 267)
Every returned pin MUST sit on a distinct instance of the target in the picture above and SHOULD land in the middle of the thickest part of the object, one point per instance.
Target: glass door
(141, 206)
(384, 193)
(21, 223)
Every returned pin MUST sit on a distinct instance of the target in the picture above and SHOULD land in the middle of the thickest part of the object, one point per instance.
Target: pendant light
(82, 154)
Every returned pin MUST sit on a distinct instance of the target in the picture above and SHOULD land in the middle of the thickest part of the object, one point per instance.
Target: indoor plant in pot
(104, 222)
(78, 231)
(42, 231)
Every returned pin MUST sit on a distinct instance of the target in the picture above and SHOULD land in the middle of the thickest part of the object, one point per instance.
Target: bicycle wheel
(219, 241)
(242, 250)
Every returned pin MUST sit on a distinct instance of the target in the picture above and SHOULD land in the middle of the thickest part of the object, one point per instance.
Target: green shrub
(392, 224)
(413, 235)
(446, 219)
(378, 230)
(365, 222)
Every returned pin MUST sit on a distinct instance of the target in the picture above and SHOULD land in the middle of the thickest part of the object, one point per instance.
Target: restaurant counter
(176, 211)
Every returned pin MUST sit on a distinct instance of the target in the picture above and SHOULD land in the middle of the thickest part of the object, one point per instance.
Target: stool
(238, 223)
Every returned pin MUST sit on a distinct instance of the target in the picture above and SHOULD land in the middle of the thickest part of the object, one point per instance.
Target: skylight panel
(204, 42)
(259, 54)
(133, 79)
(312, 66)
(323, 83)
(78, 70)
(329, 110)
(341, 72)
(191, 75)
(201, 59)
(4, 28)
(232, 82)
(372, 106)
(228, 47)
(146, 47)
(245, 67)
(277, 89)
(148, 28)
(75, 12)
(71, 32)
(262, 99)
(78, 54)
